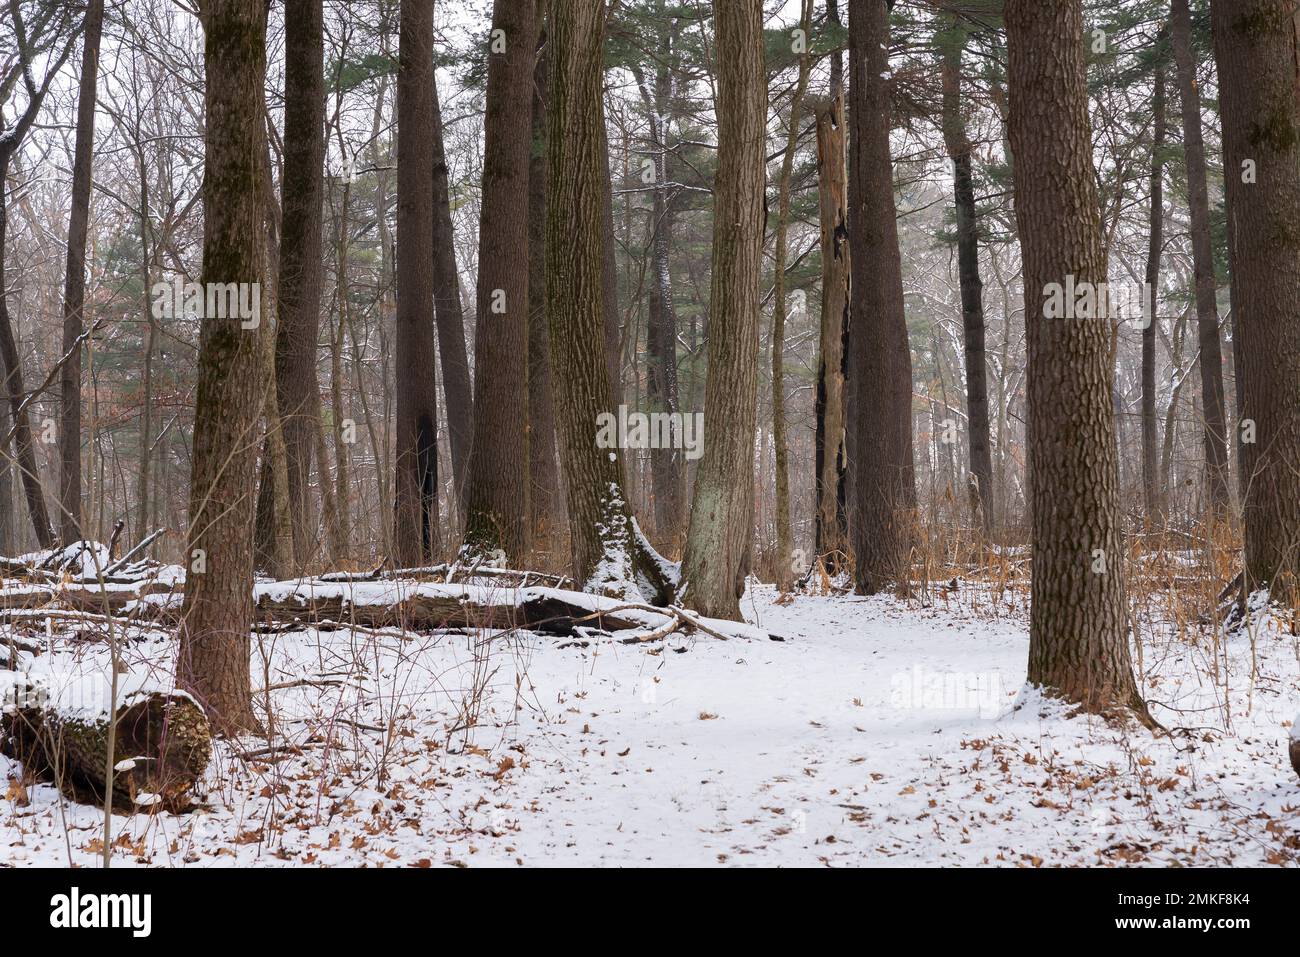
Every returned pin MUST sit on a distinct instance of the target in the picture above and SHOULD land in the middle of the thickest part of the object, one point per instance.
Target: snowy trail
(878, 733)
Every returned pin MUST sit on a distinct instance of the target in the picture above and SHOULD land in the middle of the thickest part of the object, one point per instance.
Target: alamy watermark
(923, 690)
(1081, 299)
(213, 300)
(651, 430)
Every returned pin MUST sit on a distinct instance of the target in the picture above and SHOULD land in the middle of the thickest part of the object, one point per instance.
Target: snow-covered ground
(878, 732)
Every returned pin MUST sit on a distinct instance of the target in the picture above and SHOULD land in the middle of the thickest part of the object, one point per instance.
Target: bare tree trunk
(781, 452)
(456, 384)
(497, 508)
(544, 474)
(667, 472)
(608, 552)
(415, 527)
(273, 545)
(74, 296)
(609, 269)
(8, 542)
(721, 527)
(16, 392)
(880, 360)
(1154, 496)
(299, 284)
(1078, 641)
(214, 633)
(143, 496)
(972, 287)
(1207, 312)
(831, 518)
(1256, 48)
(339, 528)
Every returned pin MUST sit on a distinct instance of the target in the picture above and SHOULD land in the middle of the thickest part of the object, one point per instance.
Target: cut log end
(161, 750)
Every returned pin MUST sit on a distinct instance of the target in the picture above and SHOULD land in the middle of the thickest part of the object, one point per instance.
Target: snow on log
(59, 731)
(110, 599)
(423, 606)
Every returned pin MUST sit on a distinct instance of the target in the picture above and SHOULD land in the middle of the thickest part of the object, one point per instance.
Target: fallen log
(162, 743)
(89, 598)
(456, 573)
(430, 606)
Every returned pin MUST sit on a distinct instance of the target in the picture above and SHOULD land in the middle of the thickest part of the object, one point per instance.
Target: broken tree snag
(162, 745)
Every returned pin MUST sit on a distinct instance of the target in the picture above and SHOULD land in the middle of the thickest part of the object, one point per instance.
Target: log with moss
(161, 742)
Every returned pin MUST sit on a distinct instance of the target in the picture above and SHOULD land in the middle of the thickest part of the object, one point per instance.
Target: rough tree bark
(217, 612)
(958, 145)
(74, 295)
(1207, 312)
(273, 542)
(880, 362)
(415, 526)
(1152, 486)
(497, 507)
(1256, 48)
(609, 269)
(544, 476)
(1078, 642)
(831, 459)
(780, 448)
(608, 552)
(667, 465)
(721, 528)
(456, 386)
(299, 285)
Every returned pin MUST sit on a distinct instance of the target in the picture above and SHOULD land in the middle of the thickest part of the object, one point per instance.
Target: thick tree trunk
(74, 295)
(497, 509)
(1154, 490)
(1078, 642)
(880, 361)
(214, 633)
(415, 527)
(721, 527)
(273, 542)
(979, 441)
(1256, 48)
(609, 270)
(609, 555)
(780, 448)
(667, 464)
(340, 526)
(1207, 312)
(299, 284)
(831, 519)
(456, 386)
(544, 476)
(274, 551)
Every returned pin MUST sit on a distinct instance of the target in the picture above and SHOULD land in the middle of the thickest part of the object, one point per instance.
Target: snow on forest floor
(878, 732)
